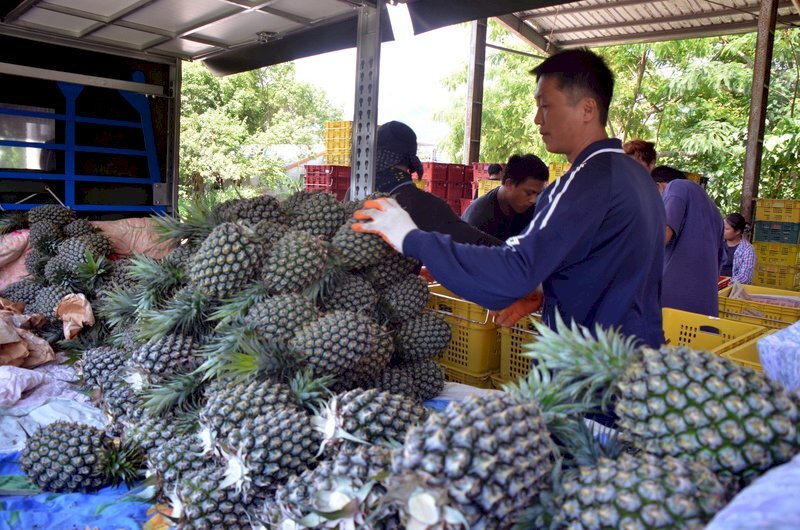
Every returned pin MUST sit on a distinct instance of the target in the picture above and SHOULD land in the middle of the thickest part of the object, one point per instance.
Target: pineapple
(368, 416)
(47, 300)
(280, 316)
(24, 291)
(404, 299)
(676, 401)
(296, 262)
(226, 261)
(99, 366)
(35, 263)
(79, 227)
(53, 213)
(12, 221)
(338, 343)
(99, 244)
(118, 278)
(319, 214)
(359, 249)
(641, 491)
(352, 293)
(391, 270)
(66, 456)
(421, 337)
(485, 458)
(150, 433)
(252, 211)
(122, 403)
(45, 237)
(421, 380)
(160, 359)
(176, 457)
(270, 232)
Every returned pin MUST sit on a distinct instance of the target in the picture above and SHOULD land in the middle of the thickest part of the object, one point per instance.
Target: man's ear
(589, 108)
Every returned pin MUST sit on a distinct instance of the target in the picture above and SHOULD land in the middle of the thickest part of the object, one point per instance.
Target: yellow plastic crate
(485, 186)
(777, 253)
(337, 144)
(513, 361)
(498, 381)
(747, 354)
(458, 375)
(346, 125)
(702, 332)
(777, 276)
(556, 169)
(338, 159)
(778, 210)
(763, 314)
(473, 346)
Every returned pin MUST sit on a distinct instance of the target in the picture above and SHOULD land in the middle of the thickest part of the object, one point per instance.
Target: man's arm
(669, 235)
(675, 208)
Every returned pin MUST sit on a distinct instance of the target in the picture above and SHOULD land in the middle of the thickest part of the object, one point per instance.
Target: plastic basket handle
(710, 329)
(445, 310)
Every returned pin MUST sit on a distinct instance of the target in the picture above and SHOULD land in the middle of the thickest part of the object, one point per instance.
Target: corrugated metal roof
(236, 35)
(605, 22)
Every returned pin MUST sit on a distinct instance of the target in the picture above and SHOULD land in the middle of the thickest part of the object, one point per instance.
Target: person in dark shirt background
(508, 209)
(495, 171)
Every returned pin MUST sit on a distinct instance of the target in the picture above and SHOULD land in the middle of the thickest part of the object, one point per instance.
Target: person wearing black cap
(395, 160)
(508, 209)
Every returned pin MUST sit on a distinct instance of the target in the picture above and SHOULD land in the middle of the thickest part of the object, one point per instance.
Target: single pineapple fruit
(100, 366)
(99, 244)
(391, 270)
(486, 457)
(320, 214)
(118, 277)
(270, 232)
(73, 251)
(48, 299)
(176, 457)
(150, 433)
(253, 211)
(280, 316)
(368, 417)
(52, 213)
(641, 491)
(228, 211)
(359, 249)
(24, 291)
(204, 501)
(337, 343)
(294, 201)
(226, 261)
(421, 337)
(79, 227)
(677, 401)
(181, 256)
(122, 403)
(45, 236)
(295, 262)
(59, 271)
(421, 380)
(35, 262)
(272, 447)
(163, 358)
(404, 299)
(66, 456)
(352, 293)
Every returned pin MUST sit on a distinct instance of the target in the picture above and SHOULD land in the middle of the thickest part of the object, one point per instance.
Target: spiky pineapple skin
(642, 491)
(700, 407)
(53, 213)
(295, 262)
(45, 236)
(428, 378)
(150, 433)
(208, 506)
(491, 454)
(352, 293)
(35, 262)
(280, 316)
(47, 299)
(253, 211)
(24, 291)
(78, 227)
(66, 457)
(99, 244)
(319, 214)
(162, 358)
(99, 366)
(404, 299)
(390, 270)
(225, 262)
(176, 458)
(359, 249)
(421, 337)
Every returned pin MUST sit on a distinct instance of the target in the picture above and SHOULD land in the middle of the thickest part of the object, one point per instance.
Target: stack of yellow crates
(556, 169)
(338, 142)
(777, 244)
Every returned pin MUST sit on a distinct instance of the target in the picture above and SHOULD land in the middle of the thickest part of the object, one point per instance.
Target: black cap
(398, 138)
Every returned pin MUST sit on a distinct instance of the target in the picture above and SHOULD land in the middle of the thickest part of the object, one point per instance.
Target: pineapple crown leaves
(197, 220)
(179, 392)
(237, 306)
(11, 221)
(123, 463)
(186, 313)
(91, 271)
(155, 275)
(341, 506)
(95, 336)
(119, 307)
(311, 392)
(588, 362)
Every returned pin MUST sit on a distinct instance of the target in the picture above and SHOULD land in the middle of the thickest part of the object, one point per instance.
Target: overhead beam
(537, 13)
(472, 126)
(765, 41)
(524, 31)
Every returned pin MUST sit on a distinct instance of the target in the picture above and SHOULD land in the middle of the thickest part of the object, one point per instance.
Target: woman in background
(740, 258)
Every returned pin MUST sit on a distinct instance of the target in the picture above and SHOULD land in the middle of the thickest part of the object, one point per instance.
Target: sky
(411, 74)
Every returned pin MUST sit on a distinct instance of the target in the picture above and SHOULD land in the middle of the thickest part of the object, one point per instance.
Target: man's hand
(519, 309)
(387, 219)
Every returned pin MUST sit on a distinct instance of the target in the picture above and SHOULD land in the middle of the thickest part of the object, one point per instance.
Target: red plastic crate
(455, 206)
(434, 171)
(324, 175)
(455, 191)
(480, 170)
(464, 205)
(438, 188)
(468, 174)
(455, 173)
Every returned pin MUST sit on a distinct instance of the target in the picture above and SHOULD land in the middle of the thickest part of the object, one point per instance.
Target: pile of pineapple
(270, 373)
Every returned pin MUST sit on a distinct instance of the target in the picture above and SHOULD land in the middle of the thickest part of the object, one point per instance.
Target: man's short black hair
(522, 167)
(583, 73)
(667, 174)
(494, 169)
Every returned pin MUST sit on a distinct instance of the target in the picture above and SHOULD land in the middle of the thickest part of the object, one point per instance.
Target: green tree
(691, 97)
(227, 124)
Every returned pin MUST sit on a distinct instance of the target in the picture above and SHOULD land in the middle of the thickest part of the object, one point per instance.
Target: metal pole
(472, 127)
(365, 115)
(767, 18)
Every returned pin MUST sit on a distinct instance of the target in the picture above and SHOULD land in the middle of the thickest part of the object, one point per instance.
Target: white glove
(387, 219)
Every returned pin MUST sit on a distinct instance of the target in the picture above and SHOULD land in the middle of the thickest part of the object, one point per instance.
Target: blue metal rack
(71, 92)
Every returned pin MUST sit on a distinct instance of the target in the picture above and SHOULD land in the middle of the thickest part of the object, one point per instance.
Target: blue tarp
(108, 509)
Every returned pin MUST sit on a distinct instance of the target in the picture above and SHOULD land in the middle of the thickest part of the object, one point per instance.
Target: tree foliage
(691, 97)
(227, 123)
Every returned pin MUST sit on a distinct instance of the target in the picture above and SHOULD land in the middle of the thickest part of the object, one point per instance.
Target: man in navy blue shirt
(596, 242)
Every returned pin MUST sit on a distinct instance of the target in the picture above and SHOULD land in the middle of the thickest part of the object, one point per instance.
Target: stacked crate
(338, 142)
(481, 184)
(451, 182)
(777, 244)
(330, 178)
(556, 169)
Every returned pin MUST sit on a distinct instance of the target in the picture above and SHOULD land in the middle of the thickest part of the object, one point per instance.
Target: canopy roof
(237, 35)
